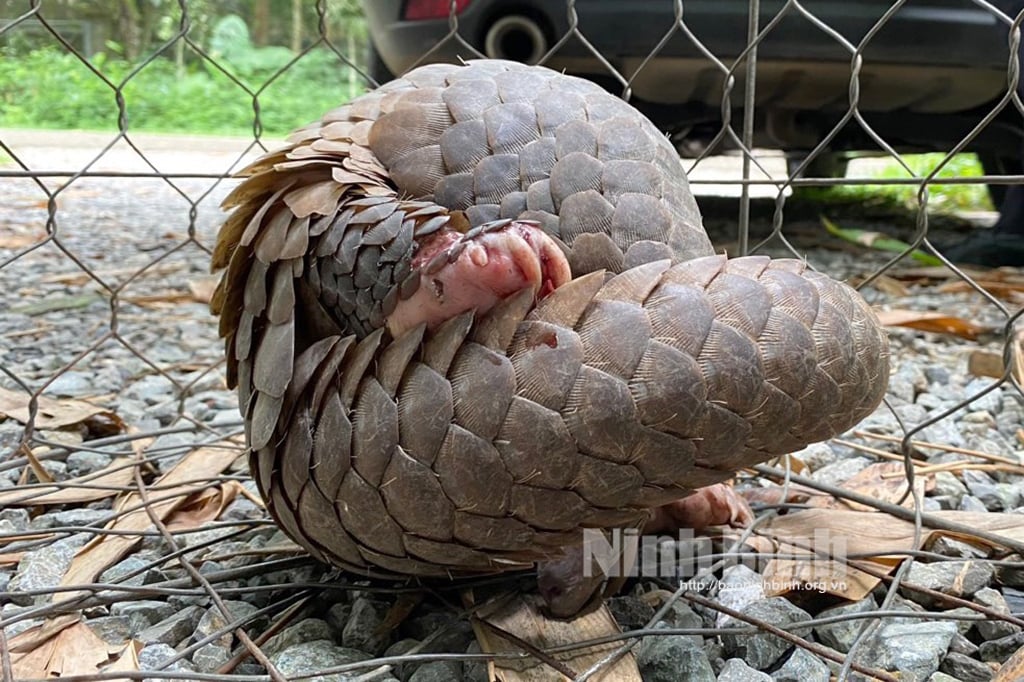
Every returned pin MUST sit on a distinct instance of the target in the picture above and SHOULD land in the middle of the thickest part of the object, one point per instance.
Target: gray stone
(475, 670)
(965, 668)
(70, 517)
(995, 496)
(955, 578)
(958, 549)
(136, 566)
(364, 629)
(73, 384)
(971, 503)
(151, 389)
(209, 657)
(991, 628)
(913, 649)
(17, 516)
(306, 630)
(111, 629)
(316, 655)
(667, 658)
(735, 670)
(440, 632)
(762, 649)
(337, 616)
(842, 470)
(141, 614)
(174, 629)
(82, 462)
(802, 666)
(942, 677)
(948, 484)
(629, 612)
(5, 580)
(966, 618)
(817, 455)
(906, 382)
(937, 374)
(962, 645)
(991, 402)
(999, 650)
(42, 569)
(153, 656)
(740, 586)
(213, 621)
(404, 646)
(438, 671)
(841, 635)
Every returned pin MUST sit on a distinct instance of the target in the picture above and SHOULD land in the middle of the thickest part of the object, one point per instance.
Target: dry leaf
(88, 488)
(75, 650)
(1013, 669)
(985, 363)
(931, 322)
(523, 617)
(106, 550)
(202, 288)
(128, 658)
(20, 240)
(872, 534)
(55, 414)
(876, 481)
(204, 506)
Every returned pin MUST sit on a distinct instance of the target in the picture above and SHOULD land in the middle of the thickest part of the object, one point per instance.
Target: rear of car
(927, 71)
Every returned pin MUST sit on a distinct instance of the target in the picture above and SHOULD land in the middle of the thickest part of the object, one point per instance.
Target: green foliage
(941, 197)
(49, 88)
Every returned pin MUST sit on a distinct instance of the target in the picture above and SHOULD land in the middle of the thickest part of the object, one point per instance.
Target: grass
(942, 198)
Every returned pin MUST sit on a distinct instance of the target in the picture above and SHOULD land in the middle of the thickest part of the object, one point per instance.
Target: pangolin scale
(487, 443)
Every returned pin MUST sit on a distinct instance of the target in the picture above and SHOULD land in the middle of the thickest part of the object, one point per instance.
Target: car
(929, 72)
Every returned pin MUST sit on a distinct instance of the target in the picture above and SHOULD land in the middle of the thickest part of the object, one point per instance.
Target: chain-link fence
(131, 536)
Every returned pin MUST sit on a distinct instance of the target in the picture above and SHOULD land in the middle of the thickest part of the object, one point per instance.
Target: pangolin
(474, 311)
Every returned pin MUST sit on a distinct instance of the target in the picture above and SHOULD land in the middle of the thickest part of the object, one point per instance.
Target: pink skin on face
(490, 266)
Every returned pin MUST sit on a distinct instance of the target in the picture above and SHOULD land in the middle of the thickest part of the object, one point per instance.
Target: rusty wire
(289, 599)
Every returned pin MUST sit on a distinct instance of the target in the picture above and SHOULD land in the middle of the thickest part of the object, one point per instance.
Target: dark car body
(928, 73)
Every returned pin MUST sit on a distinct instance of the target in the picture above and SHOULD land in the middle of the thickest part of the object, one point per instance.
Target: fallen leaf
(55, 414)
(879, 536)
(202, 288)
(88, 488)
(128, 658)
(20, 240)
(878, 241)
(106, 550)
(58, 303)
(523, 617)
(72, 650)
(1013, 669)
(874, 481)
(202, 507)
(931, 322)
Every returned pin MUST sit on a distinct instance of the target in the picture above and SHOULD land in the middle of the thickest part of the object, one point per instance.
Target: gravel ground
(111, 309)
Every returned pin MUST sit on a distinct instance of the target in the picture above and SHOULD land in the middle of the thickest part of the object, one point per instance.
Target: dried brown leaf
(53, 413)
(872, 534)
(523, 617)
(204, 506)
(74, 650)
(104, 551)
(939, 323)
(73, 491)
(202, 288)
(884, 481)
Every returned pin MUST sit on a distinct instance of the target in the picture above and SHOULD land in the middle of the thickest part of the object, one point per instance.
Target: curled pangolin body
(488, 443)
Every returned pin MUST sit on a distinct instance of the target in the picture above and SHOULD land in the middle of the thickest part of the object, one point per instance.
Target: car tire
(376, 68)
(994, 164)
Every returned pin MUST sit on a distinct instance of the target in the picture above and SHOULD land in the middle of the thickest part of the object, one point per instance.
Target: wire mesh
(111, 364)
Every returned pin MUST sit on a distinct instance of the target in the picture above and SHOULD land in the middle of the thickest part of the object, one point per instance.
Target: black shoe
(988, 248)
